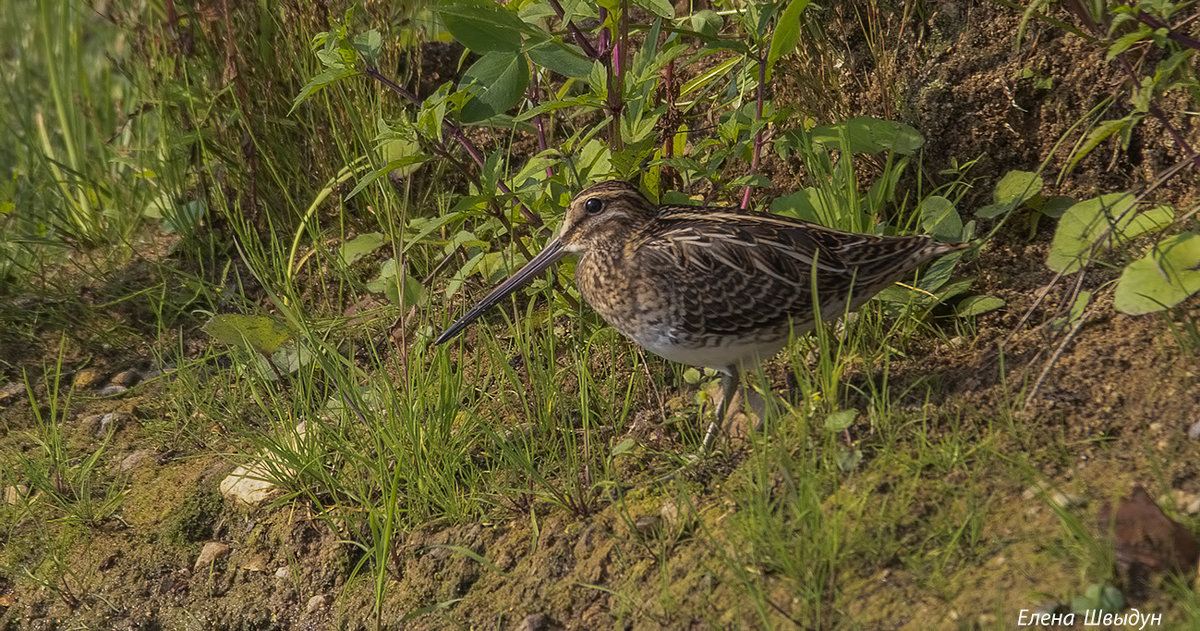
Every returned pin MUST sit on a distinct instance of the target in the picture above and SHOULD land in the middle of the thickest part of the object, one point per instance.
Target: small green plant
(69, 485)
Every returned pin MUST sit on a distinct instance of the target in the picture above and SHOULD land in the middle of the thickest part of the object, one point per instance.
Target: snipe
(711, 286)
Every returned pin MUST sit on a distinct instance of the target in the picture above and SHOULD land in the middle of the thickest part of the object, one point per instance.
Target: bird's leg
(729, 386)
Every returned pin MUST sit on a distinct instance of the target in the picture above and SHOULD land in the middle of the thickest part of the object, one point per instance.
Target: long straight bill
(547, 257)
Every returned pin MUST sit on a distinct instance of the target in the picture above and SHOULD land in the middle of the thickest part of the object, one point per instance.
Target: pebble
(112, 390)
(1184, 501)
(283, 573)
(315, 604)
(134, 459)
(127, 378)
(245, 485)
(1194, 431)
(670, 514)
(11, 390)
(255, 563)
(112, 421)
(648, 525)
(14, 493)
(534, 622)
(212, 552)
(1061, 498)
(88, 378)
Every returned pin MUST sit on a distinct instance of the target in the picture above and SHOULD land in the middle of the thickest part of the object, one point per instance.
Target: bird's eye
(593, 206)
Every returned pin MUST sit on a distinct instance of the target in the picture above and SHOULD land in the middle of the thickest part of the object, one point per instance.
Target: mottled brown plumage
(709, 286)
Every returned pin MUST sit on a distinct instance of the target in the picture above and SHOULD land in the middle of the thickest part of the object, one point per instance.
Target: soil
(1123, 390)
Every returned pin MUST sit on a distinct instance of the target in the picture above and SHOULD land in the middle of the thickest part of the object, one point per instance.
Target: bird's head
(602, 216)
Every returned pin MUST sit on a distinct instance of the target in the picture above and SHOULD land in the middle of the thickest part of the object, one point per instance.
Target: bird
(712, 286)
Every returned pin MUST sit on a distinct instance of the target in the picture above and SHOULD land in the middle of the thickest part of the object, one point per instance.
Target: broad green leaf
(1055, 206)
(801, 205)
(565, 59)
(786, 35)
(402, 150)
(938, 272)
(426, 226)
(368, 45)
(535, 167)
(482, 25)
(975, 305)
(256, 333)
(1151, 220)
(287, 360)
(848, 459)
(707, 22)
(869, 135)
(388, 283)
(360, 246)
(1163, 278)
(622, 447)
(498, 82)
(940, 219)
(1085, 225)
(184, 218)
(1014, 189)
(661, 8)
(840, 420)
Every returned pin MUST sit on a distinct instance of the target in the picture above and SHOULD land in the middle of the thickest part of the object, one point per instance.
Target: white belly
(719, 356)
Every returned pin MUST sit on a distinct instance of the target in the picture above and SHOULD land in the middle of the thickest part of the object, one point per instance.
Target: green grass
(218, 198)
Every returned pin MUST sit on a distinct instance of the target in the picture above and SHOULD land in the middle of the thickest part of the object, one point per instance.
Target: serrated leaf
(360, 246)
(257, 333)
(975, 305)
(535, 167)
(319, 82)
(368, 45)
(498, 81)
(1163, 278)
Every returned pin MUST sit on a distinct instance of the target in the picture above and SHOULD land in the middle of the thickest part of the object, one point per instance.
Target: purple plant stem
(1076, 7)
(477, 155)
(758, 114)
(538, 123)
(455, 133)
(616, 81)
(1179, 38)
(581, 40)
(604, 40)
